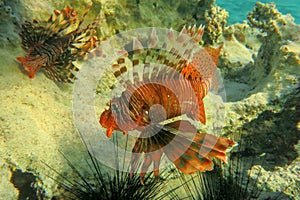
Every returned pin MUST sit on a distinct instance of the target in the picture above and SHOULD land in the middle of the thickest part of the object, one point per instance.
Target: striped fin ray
(179, 48)
(195, 33)
(33, 34)
(84, 38)
(138, 59)
(188, 40)
(61, 73)
(61, 20)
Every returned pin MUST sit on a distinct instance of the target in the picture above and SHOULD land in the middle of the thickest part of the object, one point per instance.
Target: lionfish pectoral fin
(184, 153)
(190, 162)
(149, 158)
(199, 114)
(61, 72)
(193, 153)
(215, 146)
(151, 148)
(156, 157)
(135, 156)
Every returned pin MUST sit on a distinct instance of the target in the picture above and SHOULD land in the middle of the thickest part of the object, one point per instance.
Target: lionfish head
(107, 120)
(31, 65)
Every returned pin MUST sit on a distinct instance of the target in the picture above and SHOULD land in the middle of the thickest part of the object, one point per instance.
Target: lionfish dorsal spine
(145, 62)
(153, 39)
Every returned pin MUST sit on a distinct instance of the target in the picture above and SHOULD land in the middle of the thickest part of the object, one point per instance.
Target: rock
(9, 22)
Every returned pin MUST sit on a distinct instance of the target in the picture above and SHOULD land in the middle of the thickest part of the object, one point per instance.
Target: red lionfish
(163, 93)
(53, 45)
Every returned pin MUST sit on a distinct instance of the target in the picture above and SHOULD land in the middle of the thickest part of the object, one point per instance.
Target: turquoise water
(238, 10)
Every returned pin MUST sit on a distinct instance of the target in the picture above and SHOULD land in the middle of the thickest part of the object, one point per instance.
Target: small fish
(54, 44)
(165, 85)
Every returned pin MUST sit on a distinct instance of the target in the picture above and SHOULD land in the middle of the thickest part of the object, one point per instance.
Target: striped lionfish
(162, 92)
(54, 44)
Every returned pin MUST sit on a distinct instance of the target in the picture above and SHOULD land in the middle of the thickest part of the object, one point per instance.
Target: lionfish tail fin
(214, 53)
(26, 66)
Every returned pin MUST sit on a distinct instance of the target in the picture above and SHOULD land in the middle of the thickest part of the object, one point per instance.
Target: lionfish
(173, 86)
(54, 44)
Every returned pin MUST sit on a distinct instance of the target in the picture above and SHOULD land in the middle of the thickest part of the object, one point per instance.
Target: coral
(8, 22)
(136, 14)
(274, 56)
(271, 75)
(216, 19)
(241, 44)
(267, 18)
(238, 31)
(263, 55)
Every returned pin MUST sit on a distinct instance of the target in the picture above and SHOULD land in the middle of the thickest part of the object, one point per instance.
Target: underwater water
(125, 100)
(238, 10)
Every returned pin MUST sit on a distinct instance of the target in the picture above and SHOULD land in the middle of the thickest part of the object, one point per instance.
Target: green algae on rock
(9, 22)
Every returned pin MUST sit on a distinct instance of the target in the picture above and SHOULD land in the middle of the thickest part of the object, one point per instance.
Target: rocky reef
(267, 107)
(9, 22)
(260, 62)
